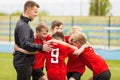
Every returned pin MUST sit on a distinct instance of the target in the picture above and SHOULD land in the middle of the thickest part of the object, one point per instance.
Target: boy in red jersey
(40, 38)
(91, 59)
(55, 60)
(75, 66)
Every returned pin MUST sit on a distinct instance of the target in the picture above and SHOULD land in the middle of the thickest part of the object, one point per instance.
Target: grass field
(7, 71)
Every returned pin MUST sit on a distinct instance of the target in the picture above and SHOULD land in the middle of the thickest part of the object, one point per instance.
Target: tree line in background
(42, 13)
(97, 8)
(100, 8)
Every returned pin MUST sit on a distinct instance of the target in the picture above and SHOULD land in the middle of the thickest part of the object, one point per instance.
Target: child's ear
(64, 39)
(37, 31)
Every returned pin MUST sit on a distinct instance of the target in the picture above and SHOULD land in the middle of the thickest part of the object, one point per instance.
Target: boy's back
(55, 62)
(94, 61)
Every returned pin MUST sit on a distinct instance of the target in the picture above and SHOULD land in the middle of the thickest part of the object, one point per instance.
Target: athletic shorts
(75, 75)
(36, 74)
(103, 76)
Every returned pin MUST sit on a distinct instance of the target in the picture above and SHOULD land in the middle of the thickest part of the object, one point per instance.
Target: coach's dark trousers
(24, 72)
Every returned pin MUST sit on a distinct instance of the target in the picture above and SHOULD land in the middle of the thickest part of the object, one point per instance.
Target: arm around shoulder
(16, 48)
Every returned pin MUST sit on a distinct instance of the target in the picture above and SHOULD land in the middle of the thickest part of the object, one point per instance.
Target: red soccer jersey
(75, 64)
(94, 61)
(55, 62)
(67, 39)
(40, 56)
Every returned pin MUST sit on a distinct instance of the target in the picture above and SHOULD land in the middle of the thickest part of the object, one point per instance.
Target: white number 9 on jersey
(54, 55)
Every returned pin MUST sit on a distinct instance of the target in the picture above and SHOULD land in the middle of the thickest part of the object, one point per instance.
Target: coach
(24, 38)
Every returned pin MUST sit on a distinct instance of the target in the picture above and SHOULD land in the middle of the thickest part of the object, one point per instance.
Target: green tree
(17, 13)
(3, 13)
(99, 7)
(41, 13)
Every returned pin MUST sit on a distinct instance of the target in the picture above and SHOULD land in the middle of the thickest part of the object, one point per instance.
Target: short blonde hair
(79, 37)
(41, 26)
(74, 30)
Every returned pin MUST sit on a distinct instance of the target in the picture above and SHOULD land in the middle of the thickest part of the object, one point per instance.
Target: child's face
(75, 43)
(57, 28)
(75, 29)
(42, 34)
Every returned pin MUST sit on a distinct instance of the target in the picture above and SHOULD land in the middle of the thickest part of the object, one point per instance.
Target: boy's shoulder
(49, 37)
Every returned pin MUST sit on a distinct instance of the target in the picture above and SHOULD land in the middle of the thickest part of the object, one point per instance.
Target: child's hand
(13, 53)
(91, 78)
(72, 78)
(16, 47)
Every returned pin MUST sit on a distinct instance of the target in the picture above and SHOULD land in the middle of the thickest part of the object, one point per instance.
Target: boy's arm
(91, 78)
(76, 52)
(81, 49)
(16, 48)
(61, 42)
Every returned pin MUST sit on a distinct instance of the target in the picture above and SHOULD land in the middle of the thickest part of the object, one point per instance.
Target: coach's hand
(47, 47)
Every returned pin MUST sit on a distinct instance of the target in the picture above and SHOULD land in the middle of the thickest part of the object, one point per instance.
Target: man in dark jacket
(24, 38)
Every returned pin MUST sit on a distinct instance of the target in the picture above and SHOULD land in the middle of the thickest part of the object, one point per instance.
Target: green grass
(7, 71)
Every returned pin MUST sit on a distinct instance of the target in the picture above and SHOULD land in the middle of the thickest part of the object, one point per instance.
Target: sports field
(94, 28)
(7, 71)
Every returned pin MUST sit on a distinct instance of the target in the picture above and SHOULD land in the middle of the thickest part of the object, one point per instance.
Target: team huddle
(49, 51)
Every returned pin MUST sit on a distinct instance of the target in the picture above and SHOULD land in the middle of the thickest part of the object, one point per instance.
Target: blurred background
(99, 20)
(65, 7)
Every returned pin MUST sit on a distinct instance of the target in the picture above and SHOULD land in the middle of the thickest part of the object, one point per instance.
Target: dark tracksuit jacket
(24, 38)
